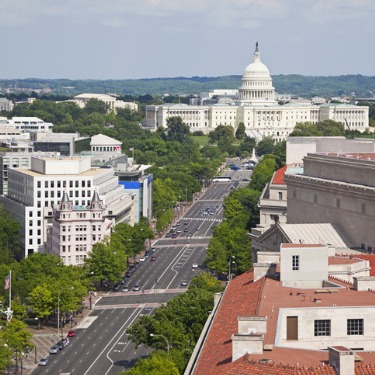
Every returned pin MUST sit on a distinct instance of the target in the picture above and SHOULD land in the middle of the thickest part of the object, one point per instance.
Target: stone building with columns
(257, 108)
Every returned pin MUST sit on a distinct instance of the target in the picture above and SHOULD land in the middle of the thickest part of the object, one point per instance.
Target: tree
(16, 337)
(96, 106)
(263, 172)
(157, 363)
(176, 129)
(240, 132)
(41, 302)
(265, 146)
(107, 261)
(225, 133)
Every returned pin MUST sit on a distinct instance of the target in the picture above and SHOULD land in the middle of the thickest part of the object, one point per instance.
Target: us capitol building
(255, 105)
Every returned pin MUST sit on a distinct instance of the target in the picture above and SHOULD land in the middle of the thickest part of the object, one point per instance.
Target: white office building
(33, 192)
(257, 108)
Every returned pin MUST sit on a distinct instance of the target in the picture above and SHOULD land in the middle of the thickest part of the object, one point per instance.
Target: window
(280, 196)
(295, 262)
(354, 327)
(322, 327)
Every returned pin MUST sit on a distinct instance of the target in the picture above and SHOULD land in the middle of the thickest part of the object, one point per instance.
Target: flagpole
(10, 290)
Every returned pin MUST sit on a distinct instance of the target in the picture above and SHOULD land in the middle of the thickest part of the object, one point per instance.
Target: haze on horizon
(133, 39)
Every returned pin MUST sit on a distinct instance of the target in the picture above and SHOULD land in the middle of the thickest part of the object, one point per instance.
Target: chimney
(246, 344)
(341, 359)
(260, 270)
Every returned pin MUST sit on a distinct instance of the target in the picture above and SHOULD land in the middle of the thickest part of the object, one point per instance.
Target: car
(65, 341)
(186, 222)
(128, 274)
(184, 283)
(246, 179)
(194, 265)
(186, 229)
(173, 228)
(178, 223)
(205, 213)
(147, 253)
(179, 230)
(116, 287)
(60, 345)
(168, 234)
(136, 288)
(152, 249)
(43, 362)
(71, 333)
(174, 235)
(53, 349)
(125, 289)
(153, 258)
(142, 259)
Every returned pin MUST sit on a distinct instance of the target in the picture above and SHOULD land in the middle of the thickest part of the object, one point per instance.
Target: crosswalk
(216, 220)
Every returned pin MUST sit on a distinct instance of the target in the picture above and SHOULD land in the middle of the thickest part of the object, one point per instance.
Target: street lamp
(154, 335)
(231, 261)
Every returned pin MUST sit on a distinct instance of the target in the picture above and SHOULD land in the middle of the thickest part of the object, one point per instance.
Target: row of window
(323, 327)
(64, 184)
(81, 237)
(51, 194)
(79, 228)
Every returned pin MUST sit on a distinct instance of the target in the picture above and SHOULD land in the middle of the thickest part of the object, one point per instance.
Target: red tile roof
(240, 298)
(278, 177)
(244, 366)
(344, 260)
(300, 245)
(371, 259)
(243, 297)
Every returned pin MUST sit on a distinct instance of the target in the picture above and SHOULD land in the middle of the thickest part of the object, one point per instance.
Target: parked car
(65, 341)
(116, 287)
(125, 289)
(184, 283)
(153, 258)
(152, 249)
(195, 265)
(53, 349)
(186, 222)
(142, 259)
(136, 288)
(60, 345)
(43, 362)
(168, 234)
(71, 333)
(128, 274)
(174, 235)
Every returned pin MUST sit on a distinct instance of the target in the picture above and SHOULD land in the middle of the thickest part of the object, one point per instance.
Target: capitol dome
(256, 83)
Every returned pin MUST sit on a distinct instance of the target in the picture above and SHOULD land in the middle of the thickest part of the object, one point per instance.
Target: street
(101, 345)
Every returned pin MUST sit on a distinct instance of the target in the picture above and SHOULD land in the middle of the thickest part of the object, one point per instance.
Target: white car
(142, 259)
(195, 266)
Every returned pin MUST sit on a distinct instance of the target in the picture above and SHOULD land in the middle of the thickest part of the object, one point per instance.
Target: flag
(7, 282)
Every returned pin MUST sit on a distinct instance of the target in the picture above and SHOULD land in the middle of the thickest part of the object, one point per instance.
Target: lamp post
(231, 261)
(154, 335)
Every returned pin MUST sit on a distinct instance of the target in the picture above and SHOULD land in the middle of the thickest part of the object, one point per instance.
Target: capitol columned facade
(255, 105)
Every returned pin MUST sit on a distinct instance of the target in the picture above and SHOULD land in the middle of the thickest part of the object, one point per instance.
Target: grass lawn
(202, 140)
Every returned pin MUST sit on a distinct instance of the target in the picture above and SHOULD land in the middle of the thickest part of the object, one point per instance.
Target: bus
(222, 179)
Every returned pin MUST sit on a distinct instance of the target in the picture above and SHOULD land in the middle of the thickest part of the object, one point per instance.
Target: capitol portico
(255, 106)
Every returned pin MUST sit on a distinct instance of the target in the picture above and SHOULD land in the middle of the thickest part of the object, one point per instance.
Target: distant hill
(304, 86)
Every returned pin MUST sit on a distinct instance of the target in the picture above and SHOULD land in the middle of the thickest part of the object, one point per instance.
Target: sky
(133, 39)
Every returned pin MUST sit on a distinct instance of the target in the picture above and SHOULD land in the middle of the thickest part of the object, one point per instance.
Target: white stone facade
(30, 124)
(75, 229)
(257, 108)
(33, 192)
(111, 101)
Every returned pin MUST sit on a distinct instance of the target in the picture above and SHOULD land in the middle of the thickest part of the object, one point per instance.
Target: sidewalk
(44, 338)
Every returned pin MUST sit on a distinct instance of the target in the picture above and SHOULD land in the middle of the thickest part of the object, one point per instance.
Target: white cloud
(221, 13)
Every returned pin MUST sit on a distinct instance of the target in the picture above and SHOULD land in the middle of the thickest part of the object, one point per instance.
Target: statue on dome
(256, 47)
